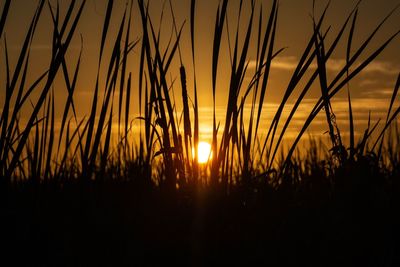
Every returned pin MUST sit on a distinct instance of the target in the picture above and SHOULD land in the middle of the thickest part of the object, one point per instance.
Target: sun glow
(204, 152)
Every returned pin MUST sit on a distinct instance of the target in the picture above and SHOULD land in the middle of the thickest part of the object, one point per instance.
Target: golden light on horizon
(204, 152)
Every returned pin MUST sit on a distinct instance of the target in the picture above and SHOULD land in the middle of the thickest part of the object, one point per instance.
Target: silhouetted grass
(79, 196)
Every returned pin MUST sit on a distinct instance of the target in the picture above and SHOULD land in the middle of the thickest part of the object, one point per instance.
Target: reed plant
(166, 151)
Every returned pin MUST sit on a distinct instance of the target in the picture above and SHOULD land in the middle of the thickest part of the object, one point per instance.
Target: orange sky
(370, 91)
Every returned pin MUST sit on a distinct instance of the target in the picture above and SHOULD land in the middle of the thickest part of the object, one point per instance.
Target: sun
(205, 153)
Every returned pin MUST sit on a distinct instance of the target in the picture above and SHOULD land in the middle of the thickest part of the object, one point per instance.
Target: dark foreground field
(349, 220)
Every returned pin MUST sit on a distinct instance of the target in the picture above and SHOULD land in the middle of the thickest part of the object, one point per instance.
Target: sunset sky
(370, 91)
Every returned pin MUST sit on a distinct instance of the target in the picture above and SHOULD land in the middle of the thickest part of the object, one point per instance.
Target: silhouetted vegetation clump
(89, 194)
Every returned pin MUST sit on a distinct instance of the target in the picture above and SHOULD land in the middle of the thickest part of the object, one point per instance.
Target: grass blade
(3, 17)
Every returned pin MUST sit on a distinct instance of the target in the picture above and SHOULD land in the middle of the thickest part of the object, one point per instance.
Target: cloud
(383, 67)
(368, 82)
(280, 63)
(378, 93)
(289, 63)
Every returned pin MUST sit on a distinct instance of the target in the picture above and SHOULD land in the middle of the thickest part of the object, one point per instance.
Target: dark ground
(115, 223)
